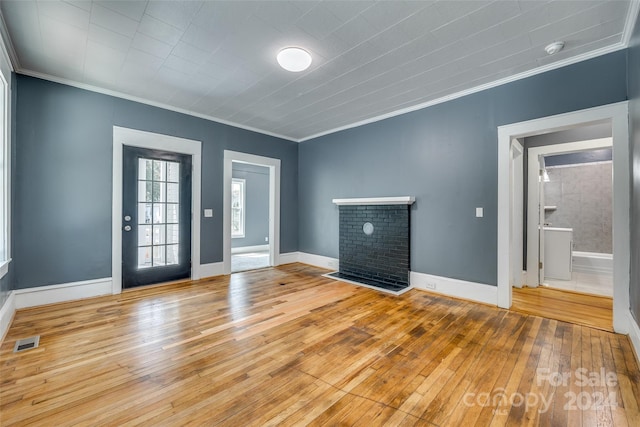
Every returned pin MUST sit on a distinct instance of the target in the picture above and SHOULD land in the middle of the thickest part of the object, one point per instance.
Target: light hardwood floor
(584, 309)
(286, 346)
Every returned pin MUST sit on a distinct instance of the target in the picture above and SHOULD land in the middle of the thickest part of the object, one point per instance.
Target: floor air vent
(26, 344)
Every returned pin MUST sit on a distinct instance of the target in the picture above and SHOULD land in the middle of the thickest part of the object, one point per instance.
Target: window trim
(243, 208)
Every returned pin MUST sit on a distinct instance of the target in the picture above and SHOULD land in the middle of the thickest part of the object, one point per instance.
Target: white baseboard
(319, 261)
(288, 258)
(478, 292)
(634, 336)
(211, 270)
(247, 249)
(31, 297)
(7, 311)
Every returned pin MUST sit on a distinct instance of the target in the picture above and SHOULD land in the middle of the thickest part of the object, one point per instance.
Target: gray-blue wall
(633, 73)
(256, 219)
(62, 178)
(446, 156)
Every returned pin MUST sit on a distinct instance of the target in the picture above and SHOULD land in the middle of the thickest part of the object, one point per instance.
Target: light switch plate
(479, 212)
(208, 213)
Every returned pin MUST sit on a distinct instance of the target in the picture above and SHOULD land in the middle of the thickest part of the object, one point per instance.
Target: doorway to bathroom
(615, 116)
(570, 213)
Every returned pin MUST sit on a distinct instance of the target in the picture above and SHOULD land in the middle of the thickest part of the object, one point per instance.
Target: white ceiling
(371, 59)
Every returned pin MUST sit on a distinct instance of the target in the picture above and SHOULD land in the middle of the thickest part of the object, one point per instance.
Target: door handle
(127, 228)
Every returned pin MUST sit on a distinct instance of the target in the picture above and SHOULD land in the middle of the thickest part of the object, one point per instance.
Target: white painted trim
(243, 183)
(7, 311)
(136, 138)
(289, 258)
(145, 101)
(634, 335)
(319, 261)
(274, 204)
(42, 295)
(618, 114)
(476, 89)
(477, 292)
(248, 249)
(402, 200)
(6, 46)
(211, 270)
(630, 22)
(623, 44)
(533, 191)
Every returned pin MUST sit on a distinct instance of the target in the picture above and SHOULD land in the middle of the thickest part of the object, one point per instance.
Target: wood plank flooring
(286, 346)
(587, 310)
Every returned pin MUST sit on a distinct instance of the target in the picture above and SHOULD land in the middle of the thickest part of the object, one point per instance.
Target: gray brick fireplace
(374, 241)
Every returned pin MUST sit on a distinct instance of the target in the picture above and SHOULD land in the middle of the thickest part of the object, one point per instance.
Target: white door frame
(533, 210)
(155, 141)
(274, 204)
(516, 219)
(617, 114)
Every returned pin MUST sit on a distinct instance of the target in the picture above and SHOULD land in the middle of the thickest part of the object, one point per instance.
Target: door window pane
(144, 257)
(144, 213)
(173, 192)
(172, 213)
(172, 254)
(158, 244)
(159, 235)
(144, 235)
(159, 255)
(158, 213)
(173, 231)
(173, 172)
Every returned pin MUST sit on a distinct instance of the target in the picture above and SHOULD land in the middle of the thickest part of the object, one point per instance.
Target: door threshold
(156, 285)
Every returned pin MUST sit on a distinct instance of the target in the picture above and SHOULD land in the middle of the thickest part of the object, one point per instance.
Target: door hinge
(540, 265)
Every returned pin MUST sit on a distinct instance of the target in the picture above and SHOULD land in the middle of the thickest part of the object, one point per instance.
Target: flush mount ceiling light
(294, 59)
(554, 47)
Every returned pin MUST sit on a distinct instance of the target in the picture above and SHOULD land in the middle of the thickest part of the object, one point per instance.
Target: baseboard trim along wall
(211, 270)
(7, 311)
(248, 249)
(477, 292)
(634, 336)
(31, 297)
(319, 261)
(288, 258)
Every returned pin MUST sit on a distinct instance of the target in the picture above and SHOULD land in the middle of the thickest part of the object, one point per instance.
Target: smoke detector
(554, 48)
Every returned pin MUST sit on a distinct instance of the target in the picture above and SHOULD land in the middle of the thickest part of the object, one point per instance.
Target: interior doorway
(570, 244)
(250, 240)
(249, 217)
(616, 115)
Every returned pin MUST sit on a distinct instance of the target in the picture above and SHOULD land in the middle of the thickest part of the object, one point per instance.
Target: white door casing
(136, 138)
(617, 115)
(274, 204)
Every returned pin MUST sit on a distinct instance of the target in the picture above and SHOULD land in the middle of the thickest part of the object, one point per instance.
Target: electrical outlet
(430, 285)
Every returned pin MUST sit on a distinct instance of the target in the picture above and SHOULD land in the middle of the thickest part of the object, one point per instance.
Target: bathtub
(593, 263)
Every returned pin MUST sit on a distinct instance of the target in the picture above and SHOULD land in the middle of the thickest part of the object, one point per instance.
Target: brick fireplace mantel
(400, 200)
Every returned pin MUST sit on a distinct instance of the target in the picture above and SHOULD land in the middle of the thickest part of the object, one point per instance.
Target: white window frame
(5, 165)
(243, 207)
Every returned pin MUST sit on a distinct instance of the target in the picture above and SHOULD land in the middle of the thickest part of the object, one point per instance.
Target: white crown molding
(630, 22)
(6, 45)
(632, 15)
(543, 69)
(145, 101)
